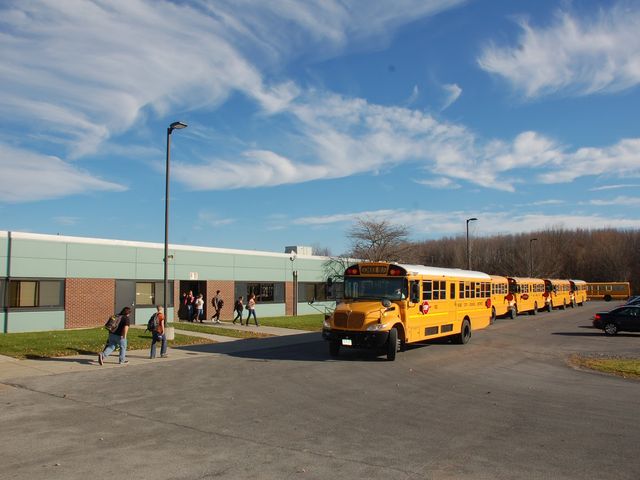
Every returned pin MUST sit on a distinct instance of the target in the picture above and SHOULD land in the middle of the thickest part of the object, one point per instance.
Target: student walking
(190, 300)
(238, 307)
(217, 304)
(251, 309)
(118, 338)
(158, 334)
(199, 307)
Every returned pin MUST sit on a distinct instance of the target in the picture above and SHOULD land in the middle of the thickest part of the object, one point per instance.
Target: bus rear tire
(393, 345)
(607, 298)
(564, 305)
(334, 348)
(465, 333)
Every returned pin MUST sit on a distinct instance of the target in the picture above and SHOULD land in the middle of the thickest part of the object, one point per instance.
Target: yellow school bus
(557, 293)
(578, 292)
(499, 292)
(608, 291)
(386, 306)
(525, 295)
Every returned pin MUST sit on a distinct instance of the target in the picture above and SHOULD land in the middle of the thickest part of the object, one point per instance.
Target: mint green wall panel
(34, 321)
(106, 253)
(37, 249)
(100, 269)
(267, 310)
(38, 267)
(182, 257)
(150, 272)
(143, 315)
(150, 255)
(321, 308)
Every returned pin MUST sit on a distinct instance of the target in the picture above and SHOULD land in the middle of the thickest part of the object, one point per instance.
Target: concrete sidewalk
(11, 368)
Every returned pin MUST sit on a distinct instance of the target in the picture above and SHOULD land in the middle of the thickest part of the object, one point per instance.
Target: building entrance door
(197, 287)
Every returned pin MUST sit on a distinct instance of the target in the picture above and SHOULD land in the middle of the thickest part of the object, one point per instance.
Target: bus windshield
(375, 288)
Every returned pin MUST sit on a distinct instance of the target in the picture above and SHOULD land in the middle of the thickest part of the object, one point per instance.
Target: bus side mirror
(415, 292)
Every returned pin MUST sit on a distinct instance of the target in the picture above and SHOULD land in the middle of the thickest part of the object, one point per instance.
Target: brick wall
(288, 298)
(88, 301)
(226, 288)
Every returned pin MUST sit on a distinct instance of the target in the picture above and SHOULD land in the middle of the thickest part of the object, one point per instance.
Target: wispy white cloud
(440, 182)
(453, 93)
(28, 176)
(574, 56)
(415, 94)
(66, 220)
(618, 201)
(348, 136)
(614, 187)
(429, 223)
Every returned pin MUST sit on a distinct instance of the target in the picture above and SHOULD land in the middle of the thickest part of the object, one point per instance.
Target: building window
(145, 293)
(36, 293)
(264, 292)
(312, 291)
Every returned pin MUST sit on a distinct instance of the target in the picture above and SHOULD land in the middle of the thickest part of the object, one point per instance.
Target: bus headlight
(375, 327)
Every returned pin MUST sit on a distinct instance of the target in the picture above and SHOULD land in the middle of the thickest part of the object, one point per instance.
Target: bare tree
(376, 240)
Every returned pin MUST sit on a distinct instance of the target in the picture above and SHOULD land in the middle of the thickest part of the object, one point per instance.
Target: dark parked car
(634, 300)
(621, 319)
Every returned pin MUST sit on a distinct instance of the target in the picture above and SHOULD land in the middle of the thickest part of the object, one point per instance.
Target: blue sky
(304, 116)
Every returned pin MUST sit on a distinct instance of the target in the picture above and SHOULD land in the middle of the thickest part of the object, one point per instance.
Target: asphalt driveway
(505, 406)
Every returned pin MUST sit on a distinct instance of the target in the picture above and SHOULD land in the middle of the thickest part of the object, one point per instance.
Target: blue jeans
(113, 342)
(163, 349)
(252, 312)
(190, 313)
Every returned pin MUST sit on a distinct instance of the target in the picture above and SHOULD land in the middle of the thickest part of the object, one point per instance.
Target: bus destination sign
(373, 270)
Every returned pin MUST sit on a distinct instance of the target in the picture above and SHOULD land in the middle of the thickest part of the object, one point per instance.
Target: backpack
(152, 324)
(220, 303)
(113, 323)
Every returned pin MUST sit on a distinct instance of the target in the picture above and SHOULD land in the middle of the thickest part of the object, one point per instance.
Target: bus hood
(357, 315)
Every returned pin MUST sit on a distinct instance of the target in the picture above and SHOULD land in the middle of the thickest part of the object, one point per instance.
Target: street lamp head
(471, 220)
(177, 126)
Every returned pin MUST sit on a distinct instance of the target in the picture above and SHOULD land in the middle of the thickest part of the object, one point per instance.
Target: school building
(53, 282)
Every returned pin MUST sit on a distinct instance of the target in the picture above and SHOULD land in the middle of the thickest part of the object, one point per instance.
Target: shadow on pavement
(308, 347)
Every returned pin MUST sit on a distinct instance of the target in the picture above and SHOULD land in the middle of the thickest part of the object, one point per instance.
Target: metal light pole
(172, 127)
(292, 257)
(468, 251)
(531, 240)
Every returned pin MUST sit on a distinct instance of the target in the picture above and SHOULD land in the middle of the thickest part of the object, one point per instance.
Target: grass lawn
(624, 367)
(312, 323)
(73, 342)
(226, 332)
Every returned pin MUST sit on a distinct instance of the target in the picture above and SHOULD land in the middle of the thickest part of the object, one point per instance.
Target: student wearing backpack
(217, 304)
(118, 338)
(156, 327)
(239, 308)
(251, 308)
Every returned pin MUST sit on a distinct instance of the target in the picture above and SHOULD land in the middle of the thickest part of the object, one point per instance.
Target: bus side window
(452, 290)
(426, 290)
(415, 291)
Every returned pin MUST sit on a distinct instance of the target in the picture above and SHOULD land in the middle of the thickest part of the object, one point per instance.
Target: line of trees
(590, 255)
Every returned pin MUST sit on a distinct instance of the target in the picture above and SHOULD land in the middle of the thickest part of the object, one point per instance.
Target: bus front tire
(393, 344)
(607, 298)
(465, 333)
(334, 348)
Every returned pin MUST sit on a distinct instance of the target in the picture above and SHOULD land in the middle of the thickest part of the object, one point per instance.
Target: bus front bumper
(348, 338)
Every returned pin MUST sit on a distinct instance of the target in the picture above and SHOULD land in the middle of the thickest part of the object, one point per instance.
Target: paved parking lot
(505, 406)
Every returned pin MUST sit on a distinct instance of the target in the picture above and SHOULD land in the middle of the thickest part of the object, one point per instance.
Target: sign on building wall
(193, 275)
